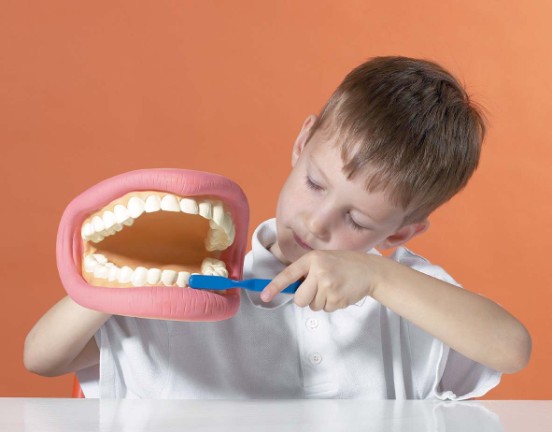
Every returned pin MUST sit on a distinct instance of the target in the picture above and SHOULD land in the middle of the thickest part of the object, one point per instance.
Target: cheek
(355, 241)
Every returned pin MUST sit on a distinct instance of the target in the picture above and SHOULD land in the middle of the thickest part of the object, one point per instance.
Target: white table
(83, 415)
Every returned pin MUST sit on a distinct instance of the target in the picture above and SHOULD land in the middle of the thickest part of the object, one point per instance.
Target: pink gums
(162, 302)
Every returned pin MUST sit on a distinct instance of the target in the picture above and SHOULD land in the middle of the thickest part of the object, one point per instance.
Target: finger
(306, 292)
(319, 301)
(290, 274)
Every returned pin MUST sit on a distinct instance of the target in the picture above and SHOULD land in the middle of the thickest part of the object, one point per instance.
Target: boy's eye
(311, 184)
(353, 224)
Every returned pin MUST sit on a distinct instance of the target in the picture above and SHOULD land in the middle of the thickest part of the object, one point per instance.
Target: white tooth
(153, 204)
(113, 273)
(97, 237)
(168, 277)
(118, 227)
(139, 276)
(227, 223)
(216, 239)
(170, 203)
(218, 213)
(87, 231)
(212, 224)
(188, 205)
(135, 207)
(98, 224)
(154, 276)
(220, 271)
(109, 220)
(90, 263)
(100, 272)
(206, 209)
(121, 214)
(125, 276)
(232, 234)
(182, 279)
(100, 258)
(209, 266)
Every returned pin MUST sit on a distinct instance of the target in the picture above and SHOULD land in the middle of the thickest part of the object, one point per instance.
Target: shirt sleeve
(439, 372)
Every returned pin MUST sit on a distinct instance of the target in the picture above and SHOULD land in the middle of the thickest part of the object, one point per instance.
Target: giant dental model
(128, 245)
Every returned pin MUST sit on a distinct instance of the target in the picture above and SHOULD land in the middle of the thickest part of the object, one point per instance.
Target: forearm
(469, 323)
(62, 340)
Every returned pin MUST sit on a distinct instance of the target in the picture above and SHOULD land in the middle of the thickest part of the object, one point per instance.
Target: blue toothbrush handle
(222, 283)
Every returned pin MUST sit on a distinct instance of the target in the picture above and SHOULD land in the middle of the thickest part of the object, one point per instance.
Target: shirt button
(315, 358)
(312, 323)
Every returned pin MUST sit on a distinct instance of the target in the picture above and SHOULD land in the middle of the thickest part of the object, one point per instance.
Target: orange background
(92, 89)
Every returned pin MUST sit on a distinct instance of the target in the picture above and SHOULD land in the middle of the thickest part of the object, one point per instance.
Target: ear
(302, 138)
(405, 233)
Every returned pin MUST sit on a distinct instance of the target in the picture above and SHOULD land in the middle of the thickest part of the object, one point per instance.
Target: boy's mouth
(129, 244)
(301, 242)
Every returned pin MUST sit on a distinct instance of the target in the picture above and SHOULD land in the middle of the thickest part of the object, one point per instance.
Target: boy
(398, 138)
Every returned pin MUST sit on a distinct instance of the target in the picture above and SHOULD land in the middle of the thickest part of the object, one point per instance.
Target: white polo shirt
(279, 350)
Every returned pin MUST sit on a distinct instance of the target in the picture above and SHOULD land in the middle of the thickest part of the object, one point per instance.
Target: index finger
(286, 277)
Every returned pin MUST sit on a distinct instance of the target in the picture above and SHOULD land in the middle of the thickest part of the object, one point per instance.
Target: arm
(62, 341)
(471, 324)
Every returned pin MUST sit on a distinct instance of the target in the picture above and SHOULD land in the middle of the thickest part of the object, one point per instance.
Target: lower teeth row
(99, 265)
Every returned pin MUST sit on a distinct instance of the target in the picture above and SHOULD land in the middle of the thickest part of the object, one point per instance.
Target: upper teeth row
(221, 233)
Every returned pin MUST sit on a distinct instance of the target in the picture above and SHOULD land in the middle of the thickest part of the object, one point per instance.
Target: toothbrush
(199, 281)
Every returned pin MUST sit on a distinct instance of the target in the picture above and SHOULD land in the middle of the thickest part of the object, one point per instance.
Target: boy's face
(319, 208)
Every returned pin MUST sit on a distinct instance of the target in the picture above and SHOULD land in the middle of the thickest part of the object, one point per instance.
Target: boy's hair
(410, 127)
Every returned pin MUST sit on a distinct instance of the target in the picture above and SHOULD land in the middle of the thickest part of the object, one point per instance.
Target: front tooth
(206, 209)
(135, 207)
(182, 279)
(125, 276)
(98, 224)
(153, 204)
(109, 220)
(218, 213)
(188, 205)
(154, 276)
(168, 277)
(170, 203)
(139, 276)
(122, 216)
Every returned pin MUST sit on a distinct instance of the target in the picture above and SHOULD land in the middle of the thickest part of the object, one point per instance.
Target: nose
(319, 222)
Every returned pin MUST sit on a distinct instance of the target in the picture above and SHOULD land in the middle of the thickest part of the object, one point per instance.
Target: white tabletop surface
(83, 415)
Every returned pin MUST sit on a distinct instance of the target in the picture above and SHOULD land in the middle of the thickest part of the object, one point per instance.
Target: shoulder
(417, 262)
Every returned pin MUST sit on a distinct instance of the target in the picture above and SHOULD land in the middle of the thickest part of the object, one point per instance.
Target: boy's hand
(333, 279)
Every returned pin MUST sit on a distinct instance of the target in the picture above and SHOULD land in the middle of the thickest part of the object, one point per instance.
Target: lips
(82, 234)
(301, 242)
